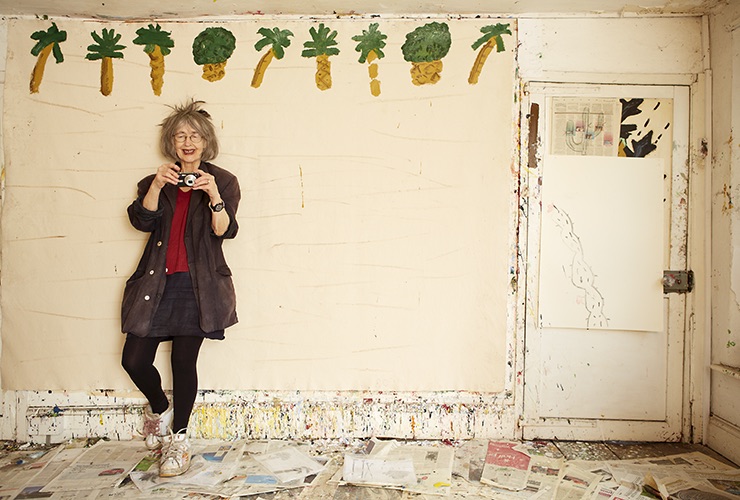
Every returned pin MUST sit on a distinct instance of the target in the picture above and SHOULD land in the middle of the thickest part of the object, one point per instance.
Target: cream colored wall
(376, 232)
(724, 426)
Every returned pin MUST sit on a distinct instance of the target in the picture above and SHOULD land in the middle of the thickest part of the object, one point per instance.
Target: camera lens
(189, 180)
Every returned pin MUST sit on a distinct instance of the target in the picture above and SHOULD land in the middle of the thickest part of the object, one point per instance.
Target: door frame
(690, 313)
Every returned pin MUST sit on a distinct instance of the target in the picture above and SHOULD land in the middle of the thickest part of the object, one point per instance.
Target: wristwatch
(217, 207)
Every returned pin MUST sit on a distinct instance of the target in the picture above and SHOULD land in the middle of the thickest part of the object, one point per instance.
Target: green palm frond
(322, 42)
(371, 40)
(152, 36)
(106, 46)
(279, 39)
(50, 36)
(493, 31)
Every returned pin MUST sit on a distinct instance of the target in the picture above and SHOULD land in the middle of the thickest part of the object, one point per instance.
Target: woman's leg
(184, 378)
(138, 361)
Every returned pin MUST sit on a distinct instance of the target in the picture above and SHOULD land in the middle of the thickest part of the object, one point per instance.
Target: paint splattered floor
(25, 469)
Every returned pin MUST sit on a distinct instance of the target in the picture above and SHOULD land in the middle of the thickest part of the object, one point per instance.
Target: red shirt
(177, 255)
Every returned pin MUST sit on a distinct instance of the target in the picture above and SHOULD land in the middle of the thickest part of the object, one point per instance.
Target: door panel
(598, 381)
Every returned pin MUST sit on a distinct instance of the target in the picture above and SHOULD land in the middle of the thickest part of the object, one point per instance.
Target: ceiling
(183, 9)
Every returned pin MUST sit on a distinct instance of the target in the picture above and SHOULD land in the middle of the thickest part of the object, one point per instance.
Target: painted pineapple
(211, 49)
(47, 42)
(278, 40)
(157, 44)
(424, 48)
(321, 46)
(105, 50)
(491, 36)
(370, 46)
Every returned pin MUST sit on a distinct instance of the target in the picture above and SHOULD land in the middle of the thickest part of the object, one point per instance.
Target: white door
(603, 343)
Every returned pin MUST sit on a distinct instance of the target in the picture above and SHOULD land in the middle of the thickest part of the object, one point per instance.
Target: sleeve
(231, 194)
(141, 218)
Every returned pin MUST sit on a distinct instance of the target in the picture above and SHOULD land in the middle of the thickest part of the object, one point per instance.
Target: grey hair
(192, 114)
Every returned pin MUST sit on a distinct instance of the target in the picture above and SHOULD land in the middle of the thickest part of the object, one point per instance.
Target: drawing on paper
(580, 273)
(105, 50)
(601, 243)
(47, 42)
(157, 44)
(424, 48)
(370, 46)
(491, 37)
(212, 49)
(647, 120)
(278, 40)
(321, 46)
(584, 126)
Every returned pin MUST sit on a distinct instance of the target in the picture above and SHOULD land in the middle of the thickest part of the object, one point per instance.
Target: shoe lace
(151, 425)
(174, 448)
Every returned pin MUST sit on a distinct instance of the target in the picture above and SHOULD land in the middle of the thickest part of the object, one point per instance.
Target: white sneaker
(156, 426)
(175, 454)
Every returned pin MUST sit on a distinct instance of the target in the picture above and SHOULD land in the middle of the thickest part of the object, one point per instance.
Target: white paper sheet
(602, 243)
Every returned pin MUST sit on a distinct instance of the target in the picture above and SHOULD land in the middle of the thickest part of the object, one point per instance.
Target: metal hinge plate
(678, 281)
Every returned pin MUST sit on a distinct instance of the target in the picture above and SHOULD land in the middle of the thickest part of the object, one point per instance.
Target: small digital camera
(186, 179)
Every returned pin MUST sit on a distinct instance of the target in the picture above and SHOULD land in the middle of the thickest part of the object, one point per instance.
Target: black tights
(138, 361)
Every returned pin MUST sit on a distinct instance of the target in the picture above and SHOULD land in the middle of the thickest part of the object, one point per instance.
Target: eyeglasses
(195, 138)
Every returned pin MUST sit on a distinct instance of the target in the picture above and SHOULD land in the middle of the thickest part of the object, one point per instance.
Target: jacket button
(159, 243)
(151, 272)
(146, 297)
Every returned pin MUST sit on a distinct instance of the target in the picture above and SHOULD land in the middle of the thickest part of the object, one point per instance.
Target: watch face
(217, 207)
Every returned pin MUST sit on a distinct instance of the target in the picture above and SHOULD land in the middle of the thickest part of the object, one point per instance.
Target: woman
(182, 289)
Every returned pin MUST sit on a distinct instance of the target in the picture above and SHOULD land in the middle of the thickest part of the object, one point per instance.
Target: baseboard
(724, 438)
(53, 417)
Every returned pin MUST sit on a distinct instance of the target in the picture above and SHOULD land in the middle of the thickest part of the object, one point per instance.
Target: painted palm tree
(424, 48)
(278, 40)
(321, 46)
(105, 50)
(157, 44)
(491, 36)
(47, 42)
(212, 49)
(370, 46)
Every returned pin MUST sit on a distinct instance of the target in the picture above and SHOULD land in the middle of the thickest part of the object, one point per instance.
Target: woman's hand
(166, 174)
(207, 183)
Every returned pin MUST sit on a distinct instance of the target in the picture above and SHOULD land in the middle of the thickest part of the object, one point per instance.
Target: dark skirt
(177, 314)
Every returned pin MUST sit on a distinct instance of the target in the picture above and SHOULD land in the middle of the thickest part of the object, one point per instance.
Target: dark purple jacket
(211, 276)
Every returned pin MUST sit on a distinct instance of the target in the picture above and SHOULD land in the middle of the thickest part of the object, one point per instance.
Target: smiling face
(189, 144)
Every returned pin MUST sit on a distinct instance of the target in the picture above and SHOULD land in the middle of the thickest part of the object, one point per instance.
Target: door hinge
(678, 281)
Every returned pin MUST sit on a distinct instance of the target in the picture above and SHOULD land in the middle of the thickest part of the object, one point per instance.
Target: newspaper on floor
(63, 456)
(575, 483)
(103, 465)
(543, 476)
(714, 484)
(211, 463)
(20, 467)
(289, 464)
(432, 467)
(506, 466)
